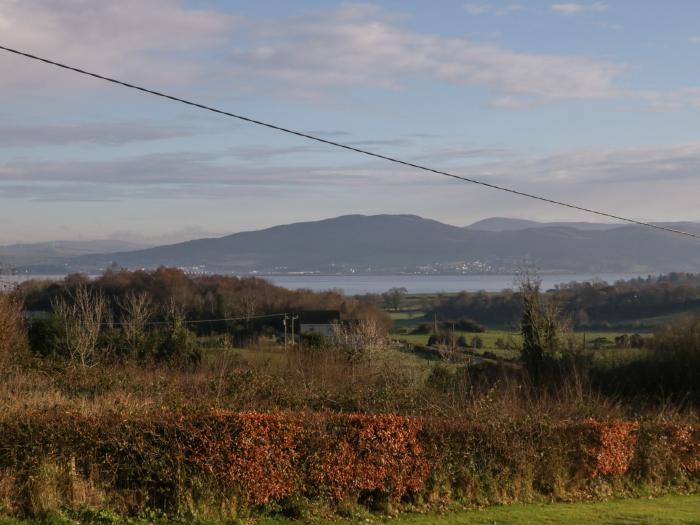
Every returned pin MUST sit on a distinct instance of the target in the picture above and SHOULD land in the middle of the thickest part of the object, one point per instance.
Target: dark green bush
(314, 340)
(45, 336)
(175, 345)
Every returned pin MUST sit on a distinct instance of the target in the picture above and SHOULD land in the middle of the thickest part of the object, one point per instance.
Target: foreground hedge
(228, 463)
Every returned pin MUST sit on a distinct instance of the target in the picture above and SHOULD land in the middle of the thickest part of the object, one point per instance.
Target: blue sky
(595, 103)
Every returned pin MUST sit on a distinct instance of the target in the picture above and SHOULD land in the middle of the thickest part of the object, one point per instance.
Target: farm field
(494, 339)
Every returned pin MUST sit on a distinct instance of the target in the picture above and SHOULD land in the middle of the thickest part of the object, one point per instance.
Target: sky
(592, 103)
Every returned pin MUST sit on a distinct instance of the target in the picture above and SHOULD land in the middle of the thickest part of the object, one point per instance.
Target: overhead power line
(198, 321)
(352, 148)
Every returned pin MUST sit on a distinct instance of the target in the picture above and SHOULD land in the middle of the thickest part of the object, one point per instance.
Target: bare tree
(81, 317)
(249, 304)
(360, 341)
(136, 311)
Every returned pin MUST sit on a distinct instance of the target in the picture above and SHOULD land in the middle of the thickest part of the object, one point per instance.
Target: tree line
(156, 315)
(588, 304)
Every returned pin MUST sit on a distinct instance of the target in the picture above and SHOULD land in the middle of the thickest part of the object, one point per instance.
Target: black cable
(352, 148)
(197, 321)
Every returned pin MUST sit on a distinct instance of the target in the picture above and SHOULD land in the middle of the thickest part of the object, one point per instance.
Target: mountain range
(400, 243)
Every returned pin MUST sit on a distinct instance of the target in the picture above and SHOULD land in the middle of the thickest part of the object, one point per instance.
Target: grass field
(405, 321)
(667, 510)
(671, 510)
(514, 340)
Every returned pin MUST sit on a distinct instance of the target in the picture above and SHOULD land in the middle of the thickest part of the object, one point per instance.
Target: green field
(671, 510)
(514, 340)
(667, 510)
(406, 320)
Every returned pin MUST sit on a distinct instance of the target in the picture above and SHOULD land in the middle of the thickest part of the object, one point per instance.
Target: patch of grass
(271, 358)
(412, 315)
(659, 320)
(669, 510)
(612, 357)
(489, 338)
(608, 354)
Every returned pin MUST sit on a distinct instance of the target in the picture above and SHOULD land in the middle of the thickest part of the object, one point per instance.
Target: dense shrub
(13, 336)
(423, 328)
(174, 344)
(230, 462)
(668, 368)
(466, 325)
(45, 336)
(314, 340)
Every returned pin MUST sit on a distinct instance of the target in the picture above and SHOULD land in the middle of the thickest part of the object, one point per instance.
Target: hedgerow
(233, 463)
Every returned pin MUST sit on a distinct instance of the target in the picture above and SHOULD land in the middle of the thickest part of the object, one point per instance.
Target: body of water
(362, 284)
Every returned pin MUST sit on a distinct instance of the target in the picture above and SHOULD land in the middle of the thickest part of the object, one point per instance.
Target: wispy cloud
(265, 153)
(159, 41)
(459, 154)
(478, 9)
(175, 175)
(674, 100)
(110, 133)
(196, 174)
(577, 9)
(362, 45)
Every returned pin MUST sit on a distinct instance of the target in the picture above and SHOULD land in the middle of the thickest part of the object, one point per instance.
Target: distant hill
(67, 248)
(370, 242)
(54, 254)
(391, 243)
(500, 224)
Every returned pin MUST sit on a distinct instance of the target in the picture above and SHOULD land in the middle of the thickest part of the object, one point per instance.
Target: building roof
(319, 316)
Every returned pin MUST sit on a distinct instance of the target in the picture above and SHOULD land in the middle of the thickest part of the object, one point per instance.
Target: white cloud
(483, 9)
(602, 165)
(154, 40)
(167, 42)
(360, 46)
(576, 9)
(675, 100)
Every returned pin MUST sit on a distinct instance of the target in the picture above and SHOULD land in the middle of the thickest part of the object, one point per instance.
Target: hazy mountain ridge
(67, 248)
(385, 243)
(500, 224)
(52, 256)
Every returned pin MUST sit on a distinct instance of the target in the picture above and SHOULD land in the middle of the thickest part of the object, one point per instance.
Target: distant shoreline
(360, 284)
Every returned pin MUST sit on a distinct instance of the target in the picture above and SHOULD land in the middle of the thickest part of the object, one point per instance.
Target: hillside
(499, 224)
(386, 243)
(52, 256)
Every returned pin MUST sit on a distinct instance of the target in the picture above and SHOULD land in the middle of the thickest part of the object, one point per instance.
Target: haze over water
(362, 284)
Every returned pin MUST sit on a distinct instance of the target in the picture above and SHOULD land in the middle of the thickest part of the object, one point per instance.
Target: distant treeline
(595, 304)
(198, 297)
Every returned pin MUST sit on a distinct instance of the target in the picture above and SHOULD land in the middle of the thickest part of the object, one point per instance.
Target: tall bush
(13, 335)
